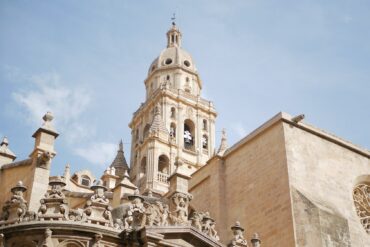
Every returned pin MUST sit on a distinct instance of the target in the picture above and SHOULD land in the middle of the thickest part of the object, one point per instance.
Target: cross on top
(173, 18)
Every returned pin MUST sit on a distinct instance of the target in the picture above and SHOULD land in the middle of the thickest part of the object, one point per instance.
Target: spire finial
(173, 19)
(223, 145)
(4, 141)
(67, 172)
(48, 118)
(120, 146)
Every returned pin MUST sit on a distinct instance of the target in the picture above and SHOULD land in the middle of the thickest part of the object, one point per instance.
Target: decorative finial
(67, 172)
(4, 141)
(223, 146)
(126, 175)
(120, 147)
(150, 193)
(48, 118)
(173, 19)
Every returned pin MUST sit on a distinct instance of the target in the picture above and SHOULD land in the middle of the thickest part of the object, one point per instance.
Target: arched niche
(189, 134)
(173, 130)
(163, 164)
(146, 131)
(71, 243)
(205, 142)
(143, 167)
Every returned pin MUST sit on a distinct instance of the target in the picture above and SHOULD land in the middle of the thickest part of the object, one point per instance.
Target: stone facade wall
(322, 176)
(10, 176)
(254, 182)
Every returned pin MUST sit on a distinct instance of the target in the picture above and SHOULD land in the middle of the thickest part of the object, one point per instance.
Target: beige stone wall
(9, 178)
(251, 186)
(325, 173)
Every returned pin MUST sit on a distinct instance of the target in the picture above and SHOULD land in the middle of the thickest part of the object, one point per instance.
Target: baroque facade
(293, 183)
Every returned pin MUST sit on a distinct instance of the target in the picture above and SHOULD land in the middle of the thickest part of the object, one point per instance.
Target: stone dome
(173, 55)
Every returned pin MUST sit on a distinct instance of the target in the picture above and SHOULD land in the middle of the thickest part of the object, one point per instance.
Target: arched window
(205, 141)
(173, 112)
(204, 124)
(173, 130)
(163, 164)
(361, 198)
(146, 131)
(85, 180)
(189, 137)
(143, 167)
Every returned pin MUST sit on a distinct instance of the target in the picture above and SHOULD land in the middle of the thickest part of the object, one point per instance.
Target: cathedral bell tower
(174, 125)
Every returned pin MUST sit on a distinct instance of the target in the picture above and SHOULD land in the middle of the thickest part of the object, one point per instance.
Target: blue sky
(86, 62)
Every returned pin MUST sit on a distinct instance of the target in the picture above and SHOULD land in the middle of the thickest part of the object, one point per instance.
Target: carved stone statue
(238, 239)
(97, 209)
(135, 218)
(54, 205)
(256, 242)
(208, 226)
(156, 214)
(15, 209)
(196, 220)
(180, 202)
(44, 160)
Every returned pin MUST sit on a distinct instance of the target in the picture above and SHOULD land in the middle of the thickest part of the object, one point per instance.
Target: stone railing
(162, 177)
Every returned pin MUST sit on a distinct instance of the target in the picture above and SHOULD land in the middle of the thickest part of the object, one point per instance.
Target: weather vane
(173, 18)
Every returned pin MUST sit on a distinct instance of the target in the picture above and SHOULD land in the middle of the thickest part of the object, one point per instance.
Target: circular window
(187, 63)
(168, 61)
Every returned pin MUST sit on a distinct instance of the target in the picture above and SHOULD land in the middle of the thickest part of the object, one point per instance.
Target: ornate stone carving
(47, 242)
(256, 242)
(97, 209)
(209, 226)
(196, 220)
(135, 218)
(43, 160)
(15, 209)
(238, 239)
(204, 223)
(361, 197)
(179, 208)
(54, 205)
(157, 214)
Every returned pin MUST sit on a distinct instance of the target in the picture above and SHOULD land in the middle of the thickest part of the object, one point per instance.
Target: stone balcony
(162, 177)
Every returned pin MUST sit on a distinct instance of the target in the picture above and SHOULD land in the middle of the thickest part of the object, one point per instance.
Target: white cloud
(239, 129)
(47, 93)
(98, 153)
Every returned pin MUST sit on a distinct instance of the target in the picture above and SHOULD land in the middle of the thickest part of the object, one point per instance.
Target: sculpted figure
(209, 226)
(55, 192)
(179, 215)
(44, 160)
(196, 221)
(16, 207)
(165, 215)
(135, 217)
(238, 239)
(98, 195)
